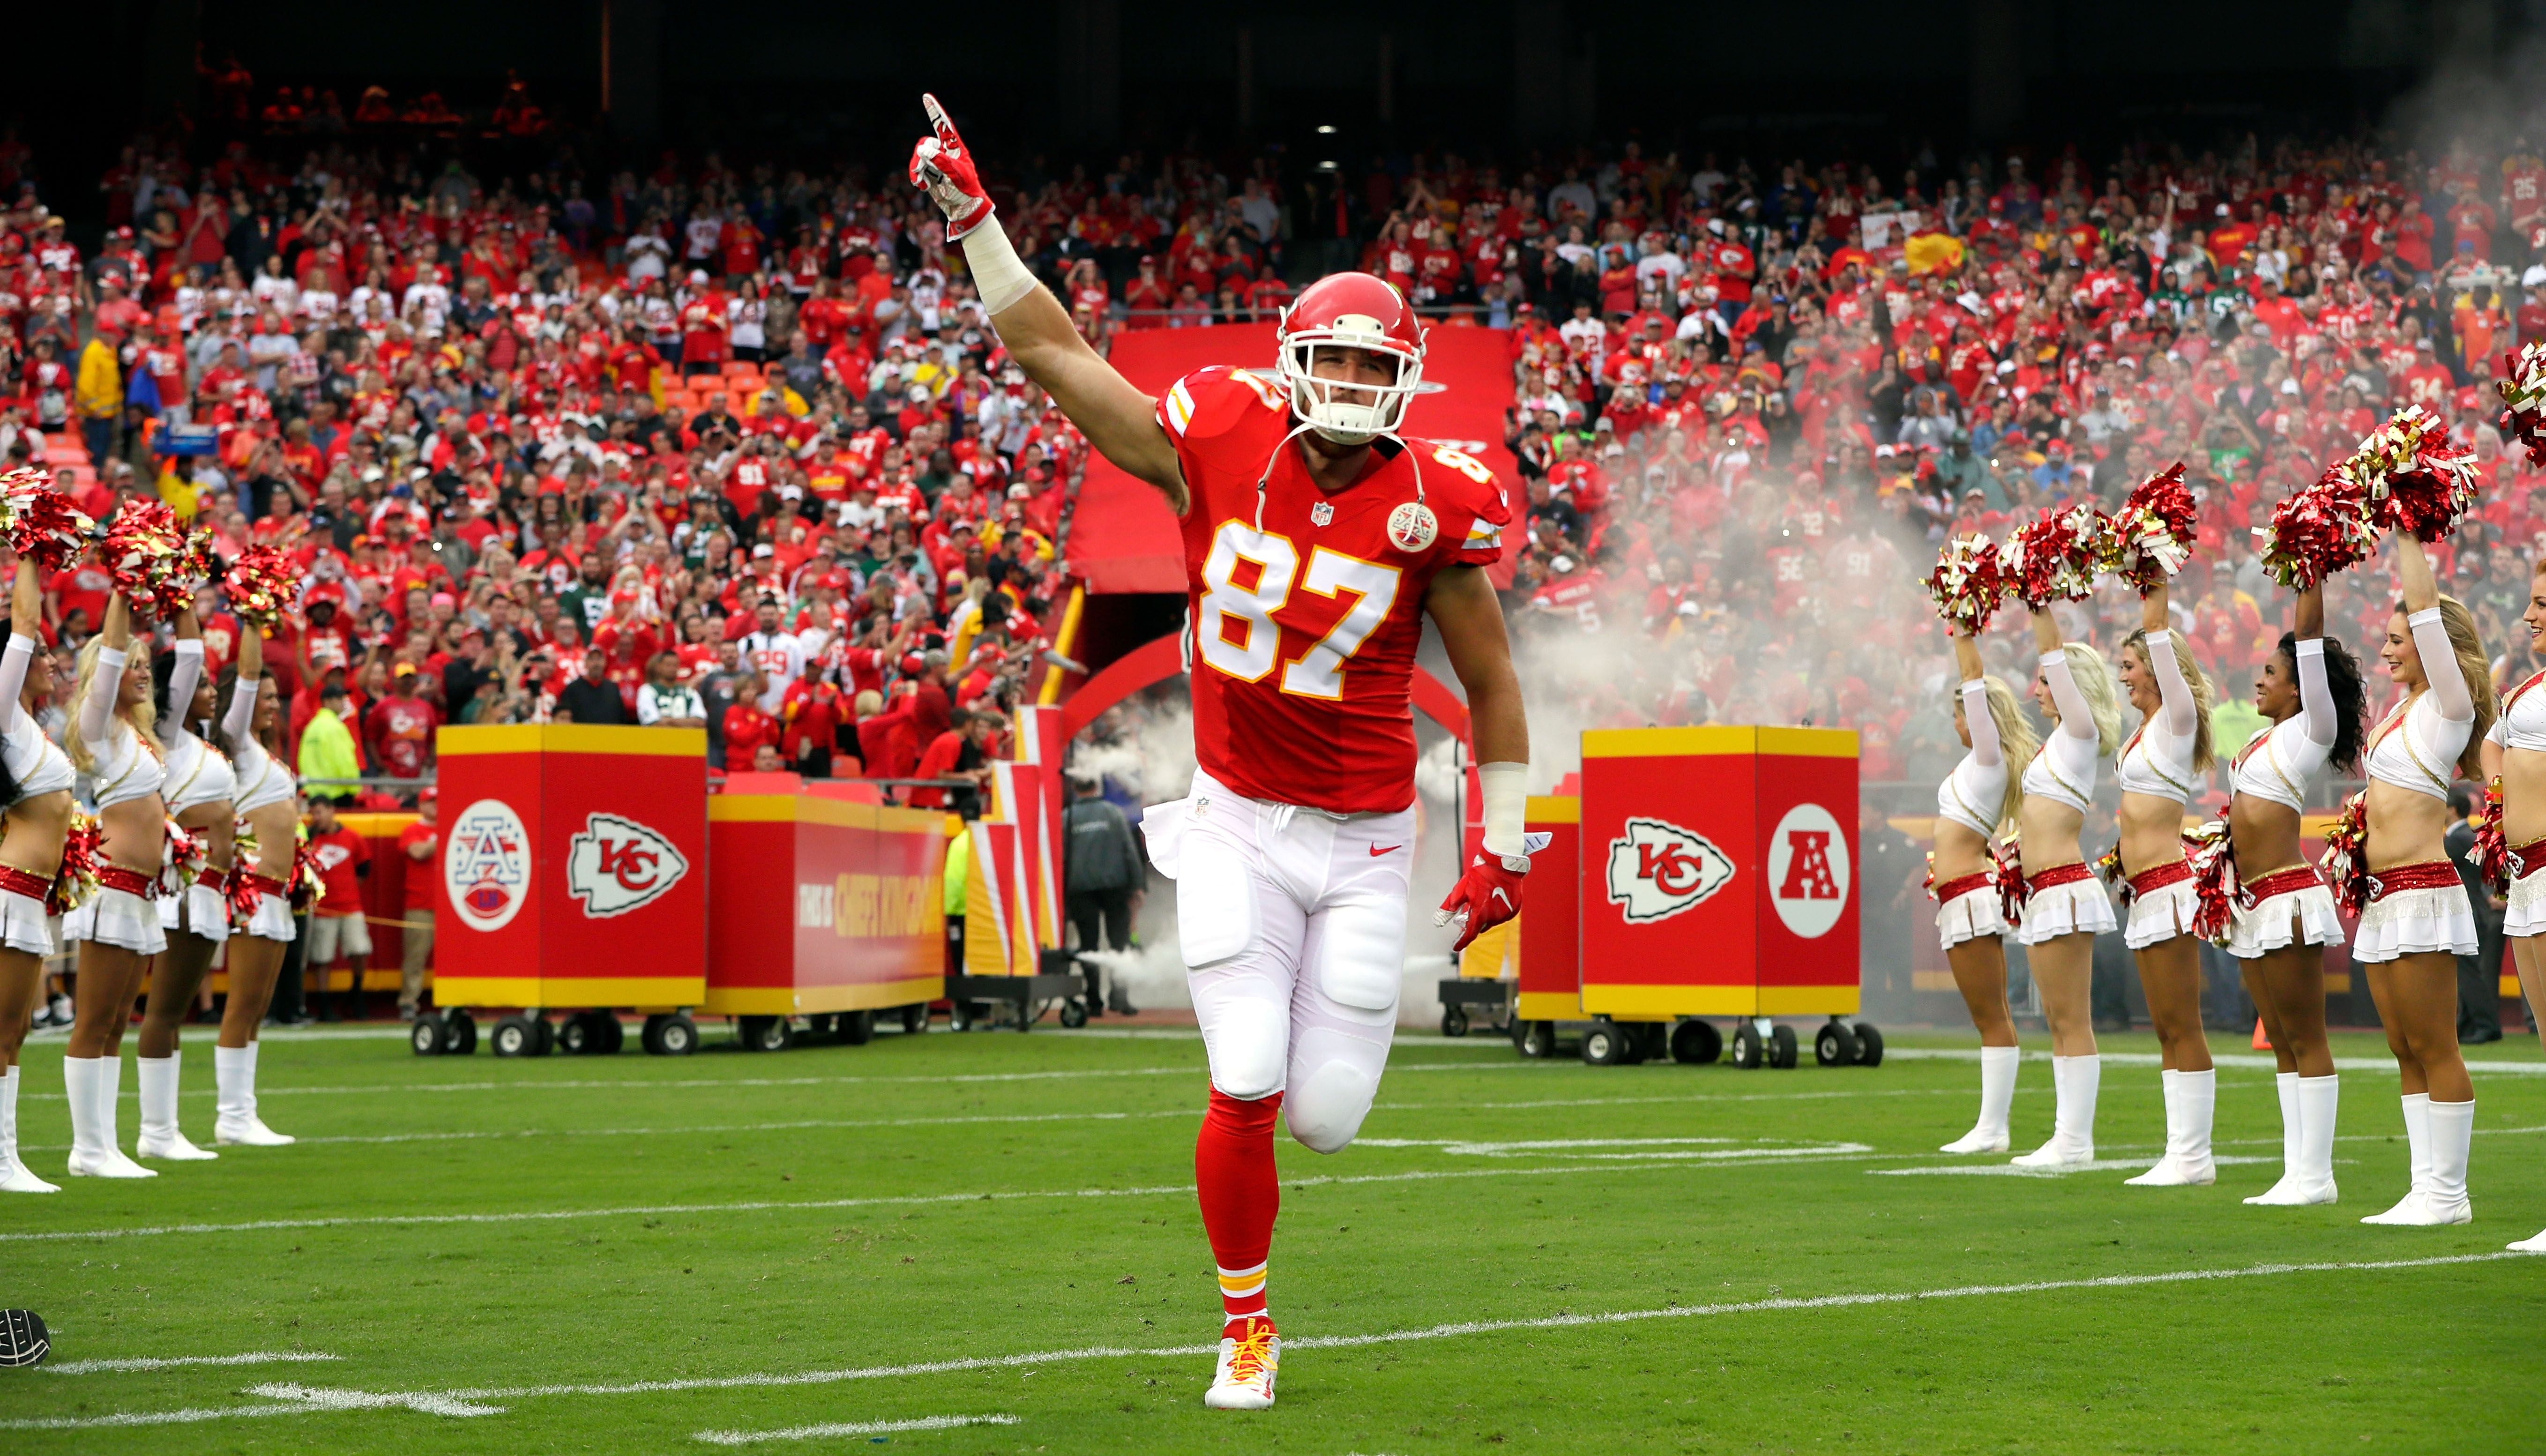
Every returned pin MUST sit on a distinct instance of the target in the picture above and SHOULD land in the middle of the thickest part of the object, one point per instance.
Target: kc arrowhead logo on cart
(618, 865)
(1658, 869)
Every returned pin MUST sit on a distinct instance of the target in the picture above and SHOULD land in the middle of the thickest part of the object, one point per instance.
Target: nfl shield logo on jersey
(1412, 526)
(1321, 514)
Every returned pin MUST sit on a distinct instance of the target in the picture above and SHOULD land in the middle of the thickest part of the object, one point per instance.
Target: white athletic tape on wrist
(999, 274)
(1506, 786)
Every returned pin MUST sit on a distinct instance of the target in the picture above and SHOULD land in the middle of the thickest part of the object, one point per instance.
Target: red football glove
(942, 167)
(1485, 896)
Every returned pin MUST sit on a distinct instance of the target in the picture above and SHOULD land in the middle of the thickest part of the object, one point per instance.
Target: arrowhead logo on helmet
(1350, 312)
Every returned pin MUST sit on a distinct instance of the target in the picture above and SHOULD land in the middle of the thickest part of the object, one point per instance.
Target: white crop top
(2063, 772)
(198, 773)
(2158, 760)
(261, 780)
(1971, 795)
(2522, 724)
(2279, 762)
(37, 764)
(2416, 748)
(121, 766)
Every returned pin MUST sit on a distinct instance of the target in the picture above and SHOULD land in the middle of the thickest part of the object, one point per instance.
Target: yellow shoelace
(1253, 1355)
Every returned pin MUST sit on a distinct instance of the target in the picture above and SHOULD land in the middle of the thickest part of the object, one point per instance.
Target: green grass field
(629, 1254)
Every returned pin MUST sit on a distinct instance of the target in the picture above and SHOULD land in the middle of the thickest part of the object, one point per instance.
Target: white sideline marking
(1446, 1332)
(1645, 1148)
(303, 1400)
(1178, 1190)
(2010, 1170)
(847, 1428)
(641, 1084)
(171, 1362)
(504, 1134)
(2242, 1061)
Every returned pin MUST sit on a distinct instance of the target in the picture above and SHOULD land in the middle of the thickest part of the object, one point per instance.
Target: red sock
(1233, 1175)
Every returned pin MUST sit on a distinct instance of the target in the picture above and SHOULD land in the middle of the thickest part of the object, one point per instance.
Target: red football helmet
(1351, 310)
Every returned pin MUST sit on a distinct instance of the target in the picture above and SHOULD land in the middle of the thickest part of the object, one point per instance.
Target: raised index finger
(939, 122)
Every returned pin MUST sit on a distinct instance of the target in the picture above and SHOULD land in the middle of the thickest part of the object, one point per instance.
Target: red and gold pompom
(154, 562)
(2316, 532)
(2152, 535)
(39, 522)
(2523, 398)
(261, 585)
(1968, 583)
(2054, 557)
(2413, 479)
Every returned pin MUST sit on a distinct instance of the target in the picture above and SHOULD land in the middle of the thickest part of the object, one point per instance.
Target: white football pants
(1292, 928)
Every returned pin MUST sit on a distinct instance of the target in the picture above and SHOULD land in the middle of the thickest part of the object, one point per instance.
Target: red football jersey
(1302, 636)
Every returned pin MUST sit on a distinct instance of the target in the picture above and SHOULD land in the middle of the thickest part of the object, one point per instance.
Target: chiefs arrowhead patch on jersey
(618, 865)
(1658, 869)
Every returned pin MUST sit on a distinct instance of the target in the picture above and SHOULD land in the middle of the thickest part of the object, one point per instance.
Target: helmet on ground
(1341, 311)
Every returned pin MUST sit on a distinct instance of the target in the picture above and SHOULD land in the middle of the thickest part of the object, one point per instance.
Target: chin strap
(1305, 427)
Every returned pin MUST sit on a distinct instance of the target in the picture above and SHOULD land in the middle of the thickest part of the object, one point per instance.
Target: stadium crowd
(733, 445)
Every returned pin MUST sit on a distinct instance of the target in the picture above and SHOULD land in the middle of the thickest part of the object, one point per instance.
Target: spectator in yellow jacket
(100, 397)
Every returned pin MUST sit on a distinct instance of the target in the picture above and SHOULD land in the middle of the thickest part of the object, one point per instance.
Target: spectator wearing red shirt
(421, 843)
(337, 926)
(397, 730)
(747, 729)
(810, 712)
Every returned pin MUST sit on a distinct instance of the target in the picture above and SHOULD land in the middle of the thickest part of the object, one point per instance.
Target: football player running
(1315, 539)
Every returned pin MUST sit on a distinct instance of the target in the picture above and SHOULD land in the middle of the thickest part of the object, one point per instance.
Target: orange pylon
(2263, 1043)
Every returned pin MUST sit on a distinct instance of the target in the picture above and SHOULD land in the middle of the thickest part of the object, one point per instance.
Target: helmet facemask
(1341, 410)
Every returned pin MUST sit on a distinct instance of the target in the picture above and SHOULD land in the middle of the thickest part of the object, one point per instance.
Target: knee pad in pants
(1325, 1108)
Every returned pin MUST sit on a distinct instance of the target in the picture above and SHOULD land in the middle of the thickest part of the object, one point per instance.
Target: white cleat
(1977, 1141)
(2278, 1195)
(2408, 1210)
(2430, 1213)
(174, 1148)
(2292, 1192)
(17, 1177)
(1248, 1359)
(249, 1131)
(110, 1164)
(2528, 1245)
(2056, 1156)
(2174, 1173)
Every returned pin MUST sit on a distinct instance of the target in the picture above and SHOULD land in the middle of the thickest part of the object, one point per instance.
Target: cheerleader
(266, 801)
(2159, 771)
(2417, 919)
(117, 929)
(1973, 803)
(2282, 914)
(2514, 754)
(36, 784)
(195, 916)
(2065, 908)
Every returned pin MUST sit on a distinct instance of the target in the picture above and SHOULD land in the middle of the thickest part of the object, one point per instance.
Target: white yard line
(847, 1428)
(299, 1399)
(172, 1363)
(2010, 1170)
(1176, 1190)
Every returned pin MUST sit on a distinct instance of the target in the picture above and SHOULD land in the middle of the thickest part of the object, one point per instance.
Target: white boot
(92, 1083)
(159, 1134)
(2191, 1101)
(1997, 1090)
(234, 1081)
(2418, 1139)
(14, 1177)
(2287, 1084)
(2320, 1107)
(2444, 1196)
(2075, 1081)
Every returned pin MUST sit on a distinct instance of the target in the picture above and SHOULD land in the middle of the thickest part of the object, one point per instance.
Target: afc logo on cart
(618, 865)
(1658, 869)
(487, 865)
(1809, 870)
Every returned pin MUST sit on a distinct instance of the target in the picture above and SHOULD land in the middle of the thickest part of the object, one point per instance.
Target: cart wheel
(458, 1034)
(1454, 1021)
(766, 1033)
(1605, 1043)
(575, 1035)
(1535, 1038)
(426, 1035)
(915, 1018)
(669, 1034)
(514, 1036)
(857, 1028)
(1073, 1013)
(608, 1036)
(1783, 1051)
(1696, 1043)
(1748, 1052)
(1869, 1045)
(1834, 1044)
(959, 1016)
